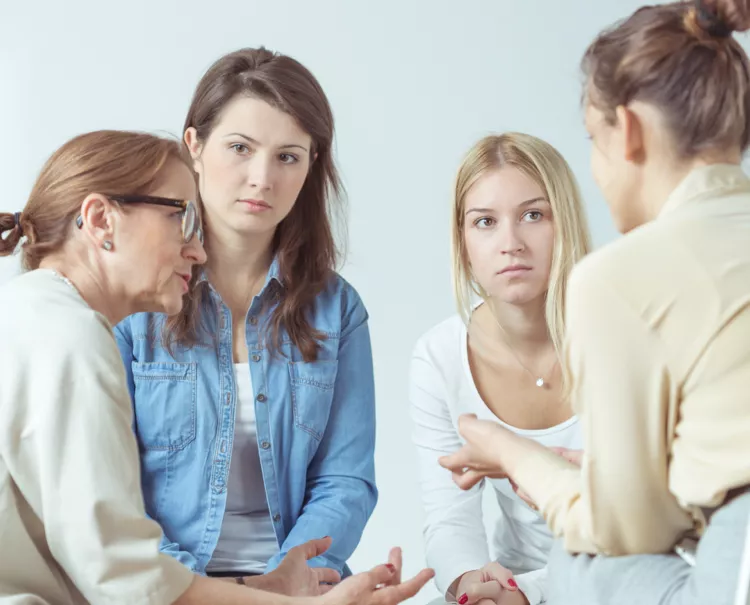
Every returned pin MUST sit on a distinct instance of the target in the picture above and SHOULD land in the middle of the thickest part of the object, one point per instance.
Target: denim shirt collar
(273, 275)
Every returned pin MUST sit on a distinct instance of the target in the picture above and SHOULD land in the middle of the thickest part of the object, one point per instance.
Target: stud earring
(107, 245)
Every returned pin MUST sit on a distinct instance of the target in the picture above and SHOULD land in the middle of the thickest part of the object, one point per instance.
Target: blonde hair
(545, 166)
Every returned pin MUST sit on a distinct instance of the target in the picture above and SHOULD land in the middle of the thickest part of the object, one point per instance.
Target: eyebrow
(521, 205)
(254, 142)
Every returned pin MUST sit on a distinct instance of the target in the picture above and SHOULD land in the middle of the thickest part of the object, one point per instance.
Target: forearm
(335, 510)
(210, 590)
(535, 468)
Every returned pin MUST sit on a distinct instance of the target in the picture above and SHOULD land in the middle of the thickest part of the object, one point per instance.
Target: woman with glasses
(254, 405)
(107, 231)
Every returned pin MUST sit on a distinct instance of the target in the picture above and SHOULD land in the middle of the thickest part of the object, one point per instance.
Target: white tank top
(247, 538)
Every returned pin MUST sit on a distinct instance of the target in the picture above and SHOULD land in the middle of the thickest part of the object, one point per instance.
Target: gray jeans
(657, 579)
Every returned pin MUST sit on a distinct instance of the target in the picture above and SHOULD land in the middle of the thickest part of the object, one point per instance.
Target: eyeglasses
(190, 222)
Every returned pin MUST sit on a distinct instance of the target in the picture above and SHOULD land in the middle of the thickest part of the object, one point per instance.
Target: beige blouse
(659, 350)
(73, 528)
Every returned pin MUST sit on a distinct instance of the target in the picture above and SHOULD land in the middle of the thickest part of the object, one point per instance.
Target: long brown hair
(105, 161)
(304, 242)
(681, 58)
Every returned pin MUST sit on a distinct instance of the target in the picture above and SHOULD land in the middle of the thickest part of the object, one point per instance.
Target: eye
(178, 214)
(485, 222)
(533, 216)
(288, 158)
(239, 148)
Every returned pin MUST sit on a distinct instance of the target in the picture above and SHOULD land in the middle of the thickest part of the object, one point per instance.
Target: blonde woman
(518, 229)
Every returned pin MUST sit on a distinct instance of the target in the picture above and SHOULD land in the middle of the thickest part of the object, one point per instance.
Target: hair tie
(710, 21)
(17, 220)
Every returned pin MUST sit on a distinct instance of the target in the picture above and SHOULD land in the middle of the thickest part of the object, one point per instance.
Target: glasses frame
(191, 224)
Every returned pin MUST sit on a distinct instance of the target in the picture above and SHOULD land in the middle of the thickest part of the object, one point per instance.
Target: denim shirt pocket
(165, 404)
(312, 394)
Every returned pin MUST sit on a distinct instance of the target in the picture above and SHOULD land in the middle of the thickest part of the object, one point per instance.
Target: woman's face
(251, 167)
(153, 262)
(509, 235)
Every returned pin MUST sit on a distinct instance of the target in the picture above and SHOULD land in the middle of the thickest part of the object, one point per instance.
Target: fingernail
(512, 584)
(463, 599)
(392, 568)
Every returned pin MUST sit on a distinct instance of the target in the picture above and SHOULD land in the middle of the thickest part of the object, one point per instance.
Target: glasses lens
(189, 222)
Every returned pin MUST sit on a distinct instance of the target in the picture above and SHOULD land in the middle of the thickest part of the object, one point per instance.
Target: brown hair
(304, 243)
(681, 58)
(105, 161)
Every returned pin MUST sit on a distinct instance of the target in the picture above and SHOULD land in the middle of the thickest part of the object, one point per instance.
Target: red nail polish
(512, 583)
(392, 568)
(463, 599)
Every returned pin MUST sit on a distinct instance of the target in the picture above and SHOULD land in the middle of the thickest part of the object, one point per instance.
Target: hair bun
(711, 22)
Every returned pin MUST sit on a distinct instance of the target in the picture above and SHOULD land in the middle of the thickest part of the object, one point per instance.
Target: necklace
(65, 280)
(540, 381)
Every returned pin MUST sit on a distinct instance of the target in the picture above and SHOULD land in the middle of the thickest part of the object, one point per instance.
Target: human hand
(380, 586)
(479, 457)
(294, 577)
(493, 584)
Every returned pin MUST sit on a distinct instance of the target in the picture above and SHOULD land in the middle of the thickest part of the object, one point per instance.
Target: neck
(93, 287)
(237, 265)
(523, 327)
(666, 178)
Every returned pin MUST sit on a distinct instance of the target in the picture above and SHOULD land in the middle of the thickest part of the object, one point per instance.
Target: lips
(515, 269)
(185, 277)
(253, 204)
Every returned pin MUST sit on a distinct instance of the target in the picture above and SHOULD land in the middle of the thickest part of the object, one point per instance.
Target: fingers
(314, 548)
(501, 575)
(468, 479)
(480, 591)
(327, 575)
(574, 456)
(395, 558)
(382, 574)
(406, 590)
(457, 461)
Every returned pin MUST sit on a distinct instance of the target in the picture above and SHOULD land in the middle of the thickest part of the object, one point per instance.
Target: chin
(520, 295)
(172, 305)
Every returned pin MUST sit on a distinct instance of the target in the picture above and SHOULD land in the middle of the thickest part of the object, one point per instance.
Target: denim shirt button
(253, 320)
(277, 517)
(261, 398)
(256, 357)
(265, 445)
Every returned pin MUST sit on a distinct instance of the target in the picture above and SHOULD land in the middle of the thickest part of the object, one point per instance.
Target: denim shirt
(315, 426)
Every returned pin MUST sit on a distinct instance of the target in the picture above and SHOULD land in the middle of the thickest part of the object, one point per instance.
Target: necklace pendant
(540, 382)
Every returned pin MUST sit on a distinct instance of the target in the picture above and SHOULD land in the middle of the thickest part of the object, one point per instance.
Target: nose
(260, 171)
(194, 252)
(509, 238)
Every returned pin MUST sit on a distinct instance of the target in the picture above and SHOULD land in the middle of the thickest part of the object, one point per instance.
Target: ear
(630, 129)
(98, 219)
(195, 147)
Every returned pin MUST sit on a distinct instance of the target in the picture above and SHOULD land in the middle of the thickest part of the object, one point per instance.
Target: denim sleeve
(341, 492)
(124, 337)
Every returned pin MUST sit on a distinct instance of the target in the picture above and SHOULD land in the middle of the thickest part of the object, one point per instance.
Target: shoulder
(639, 257)
(339, 307)
(53, 325)
(442, 344)
(49, 315)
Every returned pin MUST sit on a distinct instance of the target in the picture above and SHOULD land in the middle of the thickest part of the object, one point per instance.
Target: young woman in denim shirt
(254, 407)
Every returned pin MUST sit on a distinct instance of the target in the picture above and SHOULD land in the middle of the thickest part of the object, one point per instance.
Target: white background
(413, 83)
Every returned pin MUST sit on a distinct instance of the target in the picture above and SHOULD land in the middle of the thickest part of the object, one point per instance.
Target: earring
(107, 245)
